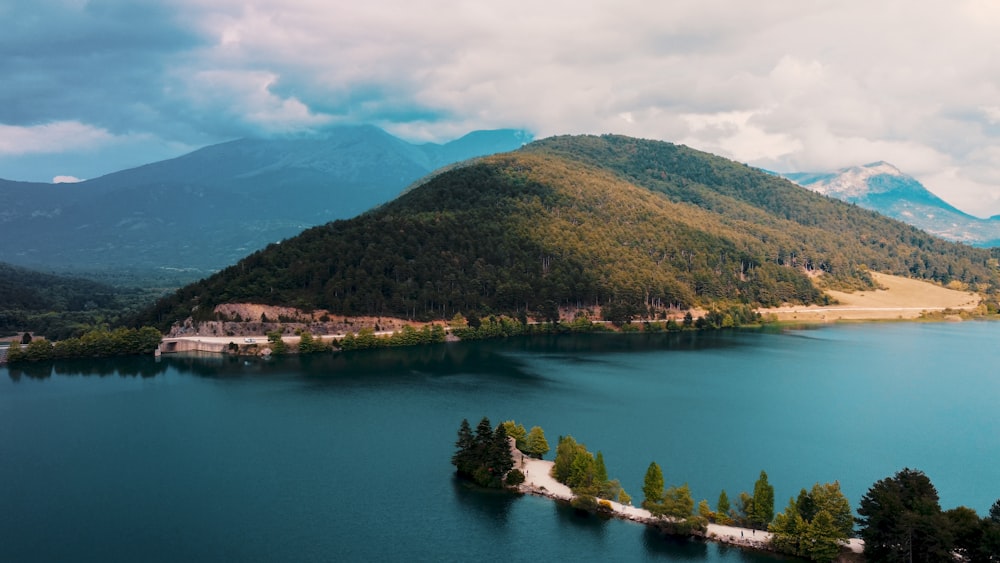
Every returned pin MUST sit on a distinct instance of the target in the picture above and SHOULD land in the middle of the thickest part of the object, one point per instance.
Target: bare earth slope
(903, 298)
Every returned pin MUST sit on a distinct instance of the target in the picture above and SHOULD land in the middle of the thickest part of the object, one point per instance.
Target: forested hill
(582, 221)
(47, 303)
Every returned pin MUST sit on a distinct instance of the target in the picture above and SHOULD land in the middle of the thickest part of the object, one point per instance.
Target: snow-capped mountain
(882, 187)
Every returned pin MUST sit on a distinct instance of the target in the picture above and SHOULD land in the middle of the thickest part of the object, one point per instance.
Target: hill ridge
(590, 222)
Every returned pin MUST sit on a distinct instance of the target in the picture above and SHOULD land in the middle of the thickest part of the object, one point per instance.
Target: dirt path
(539, 481)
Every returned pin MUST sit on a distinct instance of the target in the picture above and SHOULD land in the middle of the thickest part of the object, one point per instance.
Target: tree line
(899, 518)
(98, 343)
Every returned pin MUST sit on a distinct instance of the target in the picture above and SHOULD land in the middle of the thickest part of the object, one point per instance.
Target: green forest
(581, 222)
(60, 306)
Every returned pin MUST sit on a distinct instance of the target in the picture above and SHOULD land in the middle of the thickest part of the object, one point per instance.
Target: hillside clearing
(903, 298)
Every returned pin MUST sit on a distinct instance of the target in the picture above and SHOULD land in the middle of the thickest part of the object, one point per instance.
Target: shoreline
(539, 482)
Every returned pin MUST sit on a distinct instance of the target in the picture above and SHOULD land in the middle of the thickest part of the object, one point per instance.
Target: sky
(90, 87)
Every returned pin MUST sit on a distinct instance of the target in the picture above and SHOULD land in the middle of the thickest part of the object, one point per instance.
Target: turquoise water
(347, 457)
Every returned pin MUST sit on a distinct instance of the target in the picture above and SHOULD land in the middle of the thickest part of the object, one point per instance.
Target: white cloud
(66, 180)
(247, 96)
(54, 137)
(786, 85)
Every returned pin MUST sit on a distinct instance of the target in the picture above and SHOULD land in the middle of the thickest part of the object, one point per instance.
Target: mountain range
(882, 187)
(209, 208)
(584, 222)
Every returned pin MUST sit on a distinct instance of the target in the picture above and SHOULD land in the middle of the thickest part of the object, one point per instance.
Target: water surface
(346, 457)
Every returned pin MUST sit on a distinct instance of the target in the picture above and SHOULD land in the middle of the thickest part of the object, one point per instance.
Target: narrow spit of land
(538, 480)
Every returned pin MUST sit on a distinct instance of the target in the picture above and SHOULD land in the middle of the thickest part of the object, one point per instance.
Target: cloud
(66, 180)
(50, 138)
(785, 85)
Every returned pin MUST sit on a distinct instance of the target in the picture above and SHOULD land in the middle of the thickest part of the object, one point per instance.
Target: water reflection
(132, 366)
(670, 547)
(489, 506)
(580, 519)
(500, 358)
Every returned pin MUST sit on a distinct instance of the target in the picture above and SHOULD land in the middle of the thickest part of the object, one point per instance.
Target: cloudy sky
(89, 87)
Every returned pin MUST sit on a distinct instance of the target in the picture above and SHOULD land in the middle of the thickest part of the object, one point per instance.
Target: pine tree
(652, 486)
(787, 528)
(464, 449)
(821, 541)
(500, 460)
(600, 471)
(763, 502)
(722, 505)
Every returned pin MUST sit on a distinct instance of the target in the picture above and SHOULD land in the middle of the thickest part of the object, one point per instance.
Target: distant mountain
(205, 210)
(587, 222)
(881, 187)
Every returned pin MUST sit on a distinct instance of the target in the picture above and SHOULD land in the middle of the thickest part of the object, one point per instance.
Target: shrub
(586, 503)
(515, 478)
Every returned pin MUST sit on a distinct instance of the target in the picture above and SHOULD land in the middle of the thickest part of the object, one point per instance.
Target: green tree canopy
(763, 502)
(536, 444)
(652, 485)
(518, 433)
(900, 520)
(485, 456)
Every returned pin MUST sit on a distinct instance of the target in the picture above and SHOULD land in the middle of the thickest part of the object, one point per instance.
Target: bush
(515, 478)
(586, 503)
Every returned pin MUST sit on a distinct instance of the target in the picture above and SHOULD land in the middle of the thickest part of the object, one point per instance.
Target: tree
(463, 458)
(278, 345)
(805, 505)
(485, 456)
(566, 452)
(600, 471)
(821, 540)
(537, 445)
(829, 497)
(581, 473)
(814, 524)
(763, 502)
(704, 510)
(900, 520)
(967, 531)
(500, 460)
(722, 508)
(744, 508)
(688, 321)
(15, 353)
(652, 485)
(989, 546)
(787, 529)
(518, 433)
(995, 512)
(26, 338)
(677, 502)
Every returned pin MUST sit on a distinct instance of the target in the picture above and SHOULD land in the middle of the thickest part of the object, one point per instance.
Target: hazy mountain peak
(882, 187)
(855, 181)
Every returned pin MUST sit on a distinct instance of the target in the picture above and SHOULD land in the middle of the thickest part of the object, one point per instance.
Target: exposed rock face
(251, 319)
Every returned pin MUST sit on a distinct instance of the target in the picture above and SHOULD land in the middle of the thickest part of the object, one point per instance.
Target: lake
(346, 457)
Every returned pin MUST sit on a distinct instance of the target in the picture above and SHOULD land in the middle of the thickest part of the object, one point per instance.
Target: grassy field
(902, 298)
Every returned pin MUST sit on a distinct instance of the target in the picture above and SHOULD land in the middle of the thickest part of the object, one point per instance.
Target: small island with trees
(899, 518)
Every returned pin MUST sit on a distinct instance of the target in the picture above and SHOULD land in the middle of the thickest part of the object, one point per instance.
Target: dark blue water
(347, 457)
